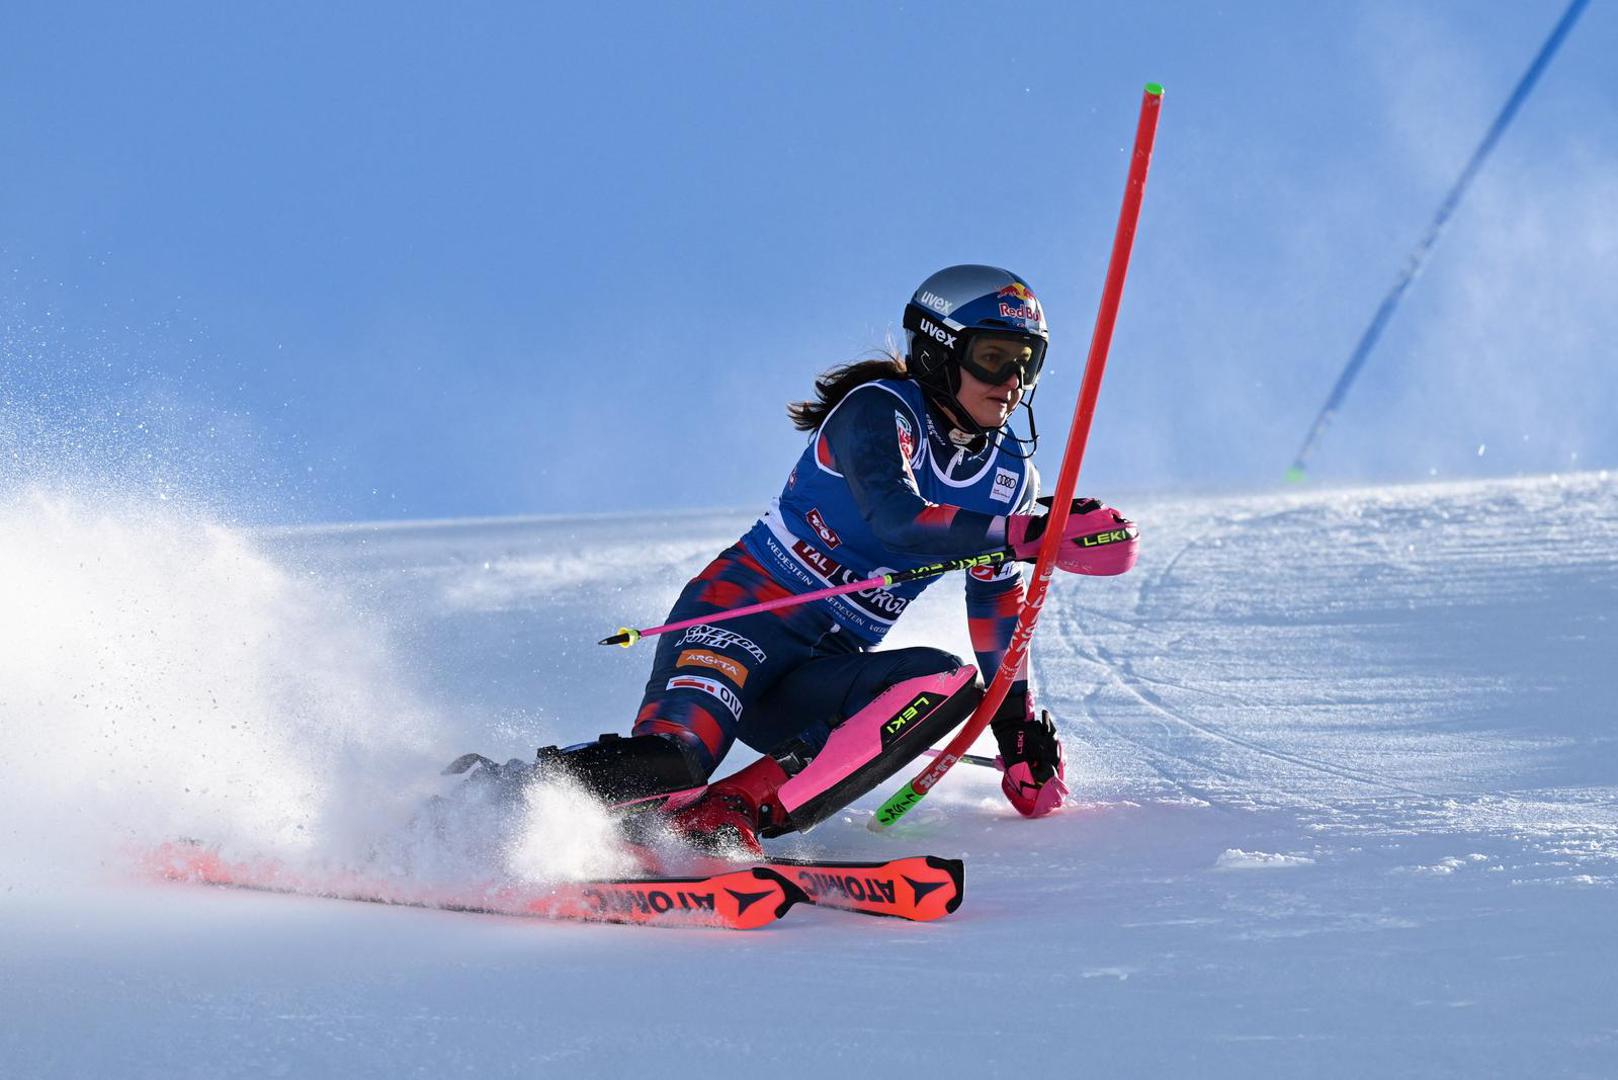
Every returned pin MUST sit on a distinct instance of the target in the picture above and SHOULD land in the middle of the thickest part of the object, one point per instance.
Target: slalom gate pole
(1384, 312)
(1067, 480)
(626, 636)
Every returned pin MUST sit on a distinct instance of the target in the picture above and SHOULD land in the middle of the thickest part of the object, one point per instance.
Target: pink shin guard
(878, 741)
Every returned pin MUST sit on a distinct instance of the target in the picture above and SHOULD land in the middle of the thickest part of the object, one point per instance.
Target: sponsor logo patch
(939, 334)
(647, 901)
(866, 888)
(937, 303)
(920, 707)
(708, 686)
(1005, 485)
(875, 601)
(1114, 536)
(1019, 311)
(727, 667)
(907, 435)
(817, 522)
(717, 638)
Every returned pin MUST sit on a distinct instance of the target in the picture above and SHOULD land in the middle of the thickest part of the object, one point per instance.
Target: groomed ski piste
(1344, 763)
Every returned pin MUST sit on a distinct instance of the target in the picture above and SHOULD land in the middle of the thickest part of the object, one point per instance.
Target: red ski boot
(733, 811)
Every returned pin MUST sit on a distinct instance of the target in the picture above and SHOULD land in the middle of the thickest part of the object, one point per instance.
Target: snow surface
(1344, 764)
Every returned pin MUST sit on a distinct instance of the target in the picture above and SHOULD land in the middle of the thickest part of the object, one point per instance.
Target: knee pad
(874, 743)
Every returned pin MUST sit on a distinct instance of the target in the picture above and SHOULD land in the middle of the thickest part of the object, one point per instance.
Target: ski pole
(1067, 480)
(981, 760)
(627, 636)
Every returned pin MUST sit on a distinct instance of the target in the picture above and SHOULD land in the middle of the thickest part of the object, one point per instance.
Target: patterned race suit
(880, 487)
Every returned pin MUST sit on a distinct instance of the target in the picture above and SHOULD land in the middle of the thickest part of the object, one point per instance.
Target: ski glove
(1034, 777)
(1098, 540)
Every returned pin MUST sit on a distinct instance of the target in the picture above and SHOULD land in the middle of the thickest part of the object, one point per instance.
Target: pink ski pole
(627, 636)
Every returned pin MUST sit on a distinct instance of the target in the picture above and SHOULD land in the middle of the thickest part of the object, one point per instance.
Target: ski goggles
(994, 357)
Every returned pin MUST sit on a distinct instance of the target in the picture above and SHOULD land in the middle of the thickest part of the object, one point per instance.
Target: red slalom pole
(1067, 480)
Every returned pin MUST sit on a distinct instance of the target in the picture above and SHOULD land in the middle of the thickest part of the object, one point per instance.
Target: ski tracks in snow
(1370, 661)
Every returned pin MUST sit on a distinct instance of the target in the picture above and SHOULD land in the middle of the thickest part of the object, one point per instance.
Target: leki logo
(818, 523)
(919, 707)
(903, 801)
(1097, 540)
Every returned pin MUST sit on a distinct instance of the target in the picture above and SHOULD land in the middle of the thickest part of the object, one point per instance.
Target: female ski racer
(911, 462)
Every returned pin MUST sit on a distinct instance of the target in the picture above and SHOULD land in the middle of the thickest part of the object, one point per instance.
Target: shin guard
(873, 744)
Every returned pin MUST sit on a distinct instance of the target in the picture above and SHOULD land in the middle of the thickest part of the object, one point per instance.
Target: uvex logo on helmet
(938, 333)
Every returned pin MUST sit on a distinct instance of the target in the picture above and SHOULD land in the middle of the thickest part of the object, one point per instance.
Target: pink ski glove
(1098, 540)
(1035, 775)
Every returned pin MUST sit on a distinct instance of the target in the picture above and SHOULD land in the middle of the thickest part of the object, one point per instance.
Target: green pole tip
(1154, 89)
(1295, 475)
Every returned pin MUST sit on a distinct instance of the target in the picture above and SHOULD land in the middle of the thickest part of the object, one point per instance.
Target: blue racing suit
(884, 485)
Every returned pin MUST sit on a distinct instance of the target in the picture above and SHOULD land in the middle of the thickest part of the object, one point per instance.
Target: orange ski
(737, 900)
(921, 887)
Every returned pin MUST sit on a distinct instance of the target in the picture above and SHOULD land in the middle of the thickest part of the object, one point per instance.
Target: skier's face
(989, 405)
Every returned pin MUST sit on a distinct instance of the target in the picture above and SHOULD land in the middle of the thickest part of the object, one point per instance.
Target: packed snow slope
(1345, 803)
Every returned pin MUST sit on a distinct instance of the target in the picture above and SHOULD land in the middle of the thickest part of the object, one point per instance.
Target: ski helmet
(960, 304)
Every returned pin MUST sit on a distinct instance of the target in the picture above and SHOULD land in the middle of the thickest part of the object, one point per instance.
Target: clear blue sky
(408, 260)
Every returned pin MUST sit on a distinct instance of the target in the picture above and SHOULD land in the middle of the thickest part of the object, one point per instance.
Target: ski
(920, 888)
(742, 899)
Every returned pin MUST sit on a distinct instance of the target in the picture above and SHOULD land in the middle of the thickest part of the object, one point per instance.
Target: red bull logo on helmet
(1017, 301)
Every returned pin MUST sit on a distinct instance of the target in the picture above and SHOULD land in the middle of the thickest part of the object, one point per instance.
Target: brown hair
(834, 385)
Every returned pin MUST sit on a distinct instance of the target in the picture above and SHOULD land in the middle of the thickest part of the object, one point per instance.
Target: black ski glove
(1031, 755)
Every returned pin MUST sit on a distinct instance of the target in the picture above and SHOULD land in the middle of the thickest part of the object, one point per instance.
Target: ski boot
(733, 812)
(615, 769)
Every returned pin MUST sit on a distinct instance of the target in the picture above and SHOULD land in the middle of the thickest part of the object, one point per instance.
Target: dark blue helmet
(961, 303)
